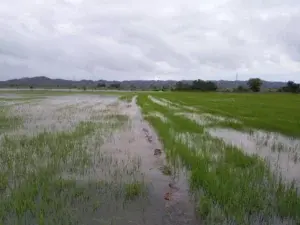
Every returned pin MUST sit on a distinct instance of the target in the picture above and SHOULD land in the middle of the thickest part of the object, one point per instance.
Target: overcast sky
(150, 39)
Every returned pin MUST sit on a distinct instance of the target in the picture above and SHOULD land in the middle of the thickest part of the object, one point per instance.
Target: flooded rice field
(237, 174)
(87, 159)
(281, 152)
(96, 159)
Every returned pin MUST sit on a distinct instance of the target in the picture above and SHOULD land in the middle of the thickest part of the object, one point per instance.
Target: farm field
(149, 158)
(241, 169)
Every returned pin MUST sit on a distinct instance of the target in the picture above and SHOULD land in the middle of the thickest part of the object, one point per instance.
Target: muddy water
(282, 153)
(60, 113)
(168, 199)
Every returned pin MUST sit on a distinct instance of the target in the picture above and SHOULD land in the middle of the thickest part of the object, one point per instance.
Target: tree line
(197, 85)
(253, 85)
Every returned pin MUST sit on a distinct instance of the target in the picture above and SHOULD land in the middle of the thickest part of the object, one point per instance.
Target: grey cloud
(136, 39)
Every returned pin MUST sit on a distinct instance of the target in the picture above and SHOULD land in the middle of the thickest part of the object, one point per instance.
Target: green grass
(236, 187)
(272, 111)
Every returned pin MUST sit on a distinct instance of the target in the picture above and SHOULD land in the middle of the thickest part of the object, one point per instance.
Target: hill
(45, 82)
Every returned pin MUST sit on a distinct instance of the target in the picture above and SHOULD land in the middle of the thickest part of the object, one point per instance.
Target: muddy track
(168, 200)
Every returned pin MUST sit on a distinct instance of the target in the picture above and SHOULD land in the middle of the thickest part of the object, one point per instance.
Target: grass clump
(166, 170)
(134, 190)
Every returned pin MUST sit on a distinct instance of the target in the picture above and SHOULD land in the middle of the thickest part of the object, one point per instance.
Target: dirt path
(169, 201)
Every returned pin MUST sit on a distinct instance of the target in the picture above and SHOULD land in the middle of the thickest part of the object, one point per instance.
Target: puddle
(205, 119)
(159, 115)
(10, 96)
(198, 118)
(8, 103)
(220, 118)
(61, 113)
(163, 102)
(283, 153)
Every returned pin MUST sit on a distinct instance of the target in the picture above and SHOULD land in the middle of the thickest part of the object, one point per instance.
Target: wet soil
(168, 200)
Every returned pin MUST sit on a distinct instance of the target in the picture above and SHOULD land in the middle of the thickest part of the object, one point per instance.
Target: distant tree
(241, 88)
(254, 84)
(132, 87)
(211, 86)
(84, 88)
(291, 86)
(101, 85)
(115, 85)
(164, 88)
(30, 87)
(182, 86)
(197, 85)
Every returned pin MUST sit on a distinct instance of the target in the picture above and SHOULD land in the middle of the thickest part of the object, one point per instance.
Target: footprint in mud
(167, 196)
(149, 138)
(157, 152)
(170, 195)
(145, 130)
(173, 186)
(147, 135)
(131, 140)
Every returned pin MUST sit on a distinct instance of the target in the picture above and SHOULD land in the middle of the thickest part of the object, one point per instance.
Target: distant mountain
(45, 82)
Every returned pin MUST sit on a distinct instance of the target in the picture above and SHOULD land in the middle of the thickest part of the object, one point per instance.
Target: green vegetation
(29, 165)
(197, 85)
(290, 87)
(47, 177)
(133, 190)
(255, 84)
(127, 97)
(7, 121)
(232, 187)
(272, 112)
(61, 176)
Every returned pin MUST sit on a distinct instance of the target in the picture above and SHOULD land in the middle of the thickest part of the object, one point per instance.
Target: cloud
(136, 39)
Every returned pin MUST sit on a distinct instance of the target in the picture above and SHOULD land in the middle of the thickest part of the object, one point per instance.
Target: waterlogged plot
(205, 119)
(283, 153)
(159, 115)
(229, 178)
(163, 102)
(81, 159)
